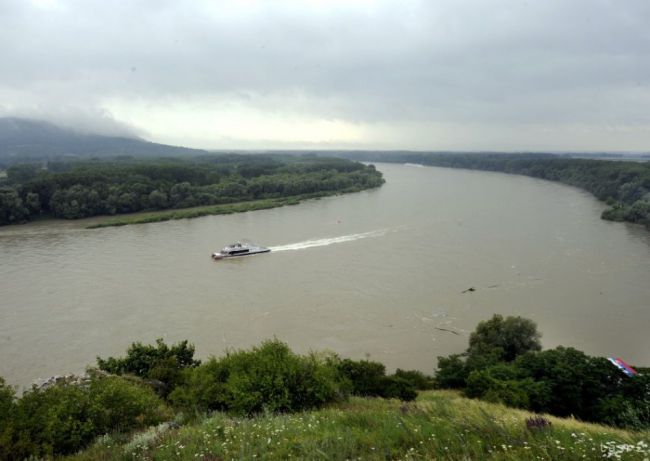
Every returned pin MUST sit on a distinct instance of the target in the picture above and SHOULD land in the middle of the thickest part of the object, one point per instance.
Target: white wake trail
(329, 241)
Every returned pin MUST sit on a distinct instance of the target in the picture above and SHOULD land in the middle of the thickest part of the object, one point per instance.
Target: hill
(23, 140)
(438, 425)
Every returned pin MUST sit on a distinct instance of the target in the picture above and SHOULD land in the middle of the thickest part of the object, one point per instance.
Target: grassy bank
(197, 212)
(439, 425)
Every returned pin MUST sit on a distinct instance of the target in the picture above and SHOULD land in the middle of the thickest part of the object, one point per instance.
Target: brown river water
(376, 274)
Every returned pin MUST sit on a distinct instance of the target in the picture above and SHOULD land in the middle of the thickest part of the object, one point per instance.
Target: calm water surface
(378, 273)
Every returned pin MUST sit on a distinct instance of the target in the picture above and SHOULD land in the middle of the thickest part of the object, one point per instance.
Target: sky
(509, 75)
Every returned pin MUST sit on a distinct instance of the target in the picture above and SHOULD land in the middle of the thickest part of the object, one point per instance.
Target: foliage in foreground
(503, 363)
(67, 416)
(160, 365)
(439, 425)
(266, 378)
(271, 378)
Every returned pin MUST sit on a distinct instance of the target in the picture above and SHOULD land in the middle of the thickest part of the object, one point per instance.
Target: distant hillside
(29, 140)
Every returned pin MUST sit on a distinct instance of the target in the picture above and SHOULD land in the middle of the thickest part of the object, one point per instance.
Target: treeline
(153, 383)
(83, 188)
(504, 363)
(624, 185)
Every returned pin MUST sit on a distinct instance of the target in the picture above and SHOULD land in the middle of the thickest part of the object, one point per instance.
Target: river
(380, 274)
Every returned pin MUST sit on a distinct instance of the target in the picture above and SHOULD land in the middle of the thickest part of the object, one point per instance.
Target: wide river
(379, 274)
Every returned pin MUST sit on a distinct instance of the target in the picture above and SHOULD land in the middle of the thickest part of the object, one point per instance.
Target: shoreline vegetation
(210, 210)
(179, 188)
(623, 185)
(267, 402)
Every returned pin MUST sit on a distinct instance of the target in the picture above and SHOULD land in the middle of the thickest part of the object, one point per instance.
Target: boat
(239, 249)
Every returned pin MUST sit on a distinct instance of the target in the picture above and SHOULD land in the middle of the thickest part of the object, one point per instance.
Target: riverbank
(83, 189)
(438, 425)
(194, 212)
(624, 185)
(227, 208)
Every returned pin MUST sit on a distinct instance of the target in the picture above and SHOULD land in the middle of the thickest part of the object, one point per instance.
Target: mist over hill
(26, 140)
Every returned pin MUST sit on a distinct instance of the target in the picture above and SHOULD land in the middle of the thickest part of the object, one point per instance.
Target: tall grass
(439, 425)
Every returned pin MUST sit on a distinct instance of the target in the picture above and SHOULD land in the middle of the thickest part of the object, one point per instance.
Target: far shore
(97, 222)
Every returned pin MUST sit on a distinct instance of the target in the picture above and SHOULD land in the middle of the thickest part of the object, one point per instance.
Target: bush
(7, 396)
(452, 372)
(266, 378)
(416, 378)
(368, 379)
(575, 381)
(365, 376)
(394, 387)
(122, 405)
(7, 408)
(65, 417)
(498, 384)
(630, 407)
(161, 364)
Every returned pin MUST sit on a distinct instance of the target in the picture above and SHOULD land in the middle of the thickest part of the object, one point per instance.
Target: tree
(504, 338)
(12, 208)
(492, 342)
(22, 172)
(33, 203)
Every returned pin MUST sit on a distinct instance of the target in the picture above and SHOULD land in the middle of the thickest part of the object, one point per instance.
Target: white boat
(239, 249)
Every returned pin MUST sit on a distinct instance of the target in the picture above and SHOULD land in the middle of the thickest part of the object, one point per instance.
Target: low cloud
(511, 67)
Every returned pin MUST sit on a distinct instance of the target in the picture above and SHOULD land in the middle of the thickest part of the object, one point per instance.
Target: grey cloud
(553, 61)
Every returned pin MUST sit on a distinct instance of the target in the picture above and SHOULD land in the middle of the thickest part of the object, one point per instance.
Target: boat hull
(219, 256)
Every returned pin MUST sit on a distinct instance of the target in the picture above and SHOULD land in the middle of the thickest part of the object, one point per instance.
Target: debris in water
(469, 289)
(448, 330)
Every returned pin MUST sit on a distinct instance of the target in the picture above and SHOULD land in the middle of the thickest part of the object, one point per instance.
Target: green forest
(82, 188)
(624, 185)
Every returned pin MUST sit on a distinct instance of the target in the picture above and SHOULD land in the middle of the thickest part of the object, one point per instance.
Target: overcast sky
(361, 74)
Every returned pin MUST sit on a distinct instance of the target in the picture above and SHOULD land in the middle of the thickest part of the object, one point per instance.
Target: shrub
(452, 372)
(395, 387)
(161, 363)
(575, 381)
(630, 407)
(7, 408)
(365, 376)
(65, 417)
(484, 384)
(416, 378)
(369, 379)
(122, 405)
(266, 378)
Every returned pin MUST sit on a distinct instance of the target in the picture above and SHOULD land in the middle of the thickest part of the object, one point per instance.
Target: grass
(196, 212)
(439, 425)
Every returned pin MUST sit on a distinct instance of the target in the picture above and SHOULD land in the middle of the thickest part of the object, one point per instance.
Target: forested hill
(625, 185)
(82, 188)
(24, 140)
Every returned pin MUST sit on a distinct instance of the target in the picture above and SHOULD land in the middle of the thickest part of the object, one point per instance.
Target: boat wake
(329, 241)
